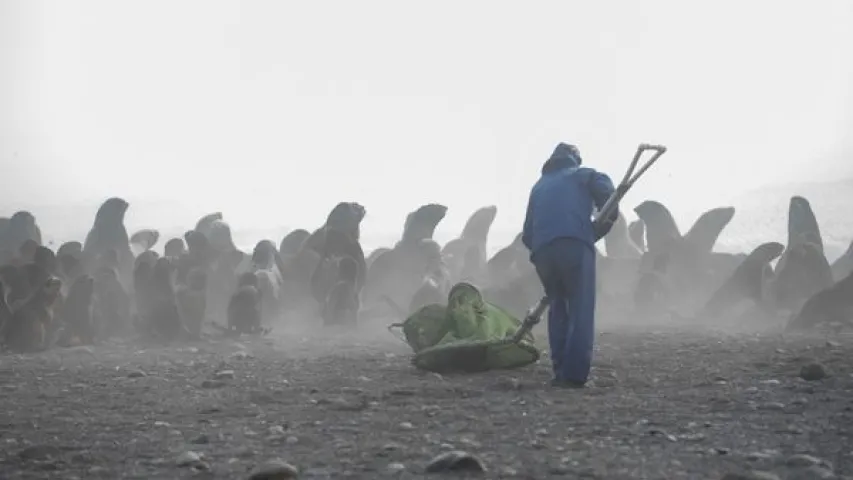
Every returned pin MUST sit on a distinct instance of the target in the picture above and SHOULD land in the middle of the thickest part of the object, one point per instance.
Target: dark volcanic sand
(664, 404)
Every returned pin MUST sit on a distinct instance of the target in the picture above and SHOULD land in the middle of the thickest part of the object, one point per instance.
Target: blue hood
(565, 156)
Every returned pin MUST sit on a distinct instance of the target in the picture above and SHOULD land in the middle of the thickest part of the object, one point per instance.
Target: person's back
(561, 203)
(561, 236)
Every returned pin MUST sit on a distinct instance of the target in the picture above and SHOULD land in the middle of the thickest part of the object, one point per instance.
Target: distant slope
(762, 214)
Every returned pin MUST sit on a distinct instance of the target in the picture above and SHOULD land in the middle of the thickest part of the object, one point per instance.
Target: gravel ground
(666, 403)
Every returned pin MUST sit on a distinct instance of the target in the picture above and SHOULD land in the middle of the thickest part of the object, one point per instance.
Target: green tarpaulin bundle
(467, 335)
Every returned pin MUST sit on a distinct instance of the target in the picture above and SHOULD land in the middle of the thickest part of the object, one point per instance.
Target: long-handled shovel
(534, 315)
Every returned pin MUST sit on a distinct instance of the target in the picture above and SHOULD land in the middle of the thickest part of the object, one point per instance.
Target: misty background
(272, 112)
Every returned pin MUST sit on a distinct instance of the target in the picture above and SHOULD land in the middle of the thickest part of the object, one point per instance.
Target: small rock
(200, 440)
(758, 456)
(224, 375)
(559, 470)
(188, 459)
(291, 440)
(275, 470)
(813, 372)
(241, 355)
(276, 430)
(446, 447)
(406, 426)
(508, 472)
(137, 374)
(660, 433)
(753, 475)
(470, 442)
(772, 406)
(772, 381)
(455, 461)
(508, 384)
(815, 473)
(212, 384)
(395, 468)
(803, 460)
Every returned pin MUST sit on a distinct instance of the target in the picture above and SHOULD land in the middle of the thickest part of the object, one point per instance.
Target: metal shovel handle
(534, 315)
(630, 177)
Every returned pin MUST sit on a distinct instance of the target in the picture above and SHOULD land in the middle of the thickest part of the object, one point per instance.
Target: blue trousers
(566, 268)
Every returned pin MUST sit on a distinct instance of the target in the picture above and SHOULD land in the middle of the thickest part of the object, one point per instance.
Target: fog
(274, 111)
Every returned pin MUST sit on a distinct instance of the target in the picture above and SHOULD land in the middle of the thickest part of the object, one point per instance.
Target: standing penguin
(192, 301)
(165, 320)
(76, 313)
(109, 233)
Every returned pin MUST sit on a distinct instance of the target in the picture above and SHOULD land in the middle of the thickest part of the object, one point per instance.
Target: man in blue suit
(560, 234)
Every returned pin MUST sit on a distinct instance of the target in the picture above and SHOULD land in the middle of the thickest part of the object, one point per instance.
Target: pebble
(766, 455)
(455, 461)
(291, 440)
(508, 472)
(803, 460)
(406, 426)
(558, 470)
(391, 447)
(772, 406)
(212, 384)
(395, 468)
(274, 470)
(816, 473)
(137, 374)
(813, 372)
(660, 433)
(224, 375)
(200, 440)
(470, 442)
(753, 475)
(188, 459)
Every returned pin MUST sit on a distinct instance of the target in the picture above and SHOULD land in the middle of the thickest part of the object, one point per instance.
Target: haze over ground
(273, 111)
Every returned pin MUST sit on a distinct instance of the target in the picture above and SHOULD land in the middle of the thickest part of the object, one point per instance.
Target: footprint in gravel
(455, 461)
(274, 470)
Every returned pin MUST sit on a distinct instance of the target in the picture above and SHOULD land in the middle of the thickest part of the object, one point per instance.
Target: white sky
(298, 105)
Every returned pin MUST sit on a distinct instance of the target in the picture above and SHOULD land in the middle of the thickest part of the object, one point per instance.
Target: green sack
(474, 335)
(426, 327)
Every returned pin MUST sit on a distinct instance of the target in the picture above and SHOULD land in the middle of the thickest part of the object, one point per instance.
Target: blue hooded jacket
(561, 202)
